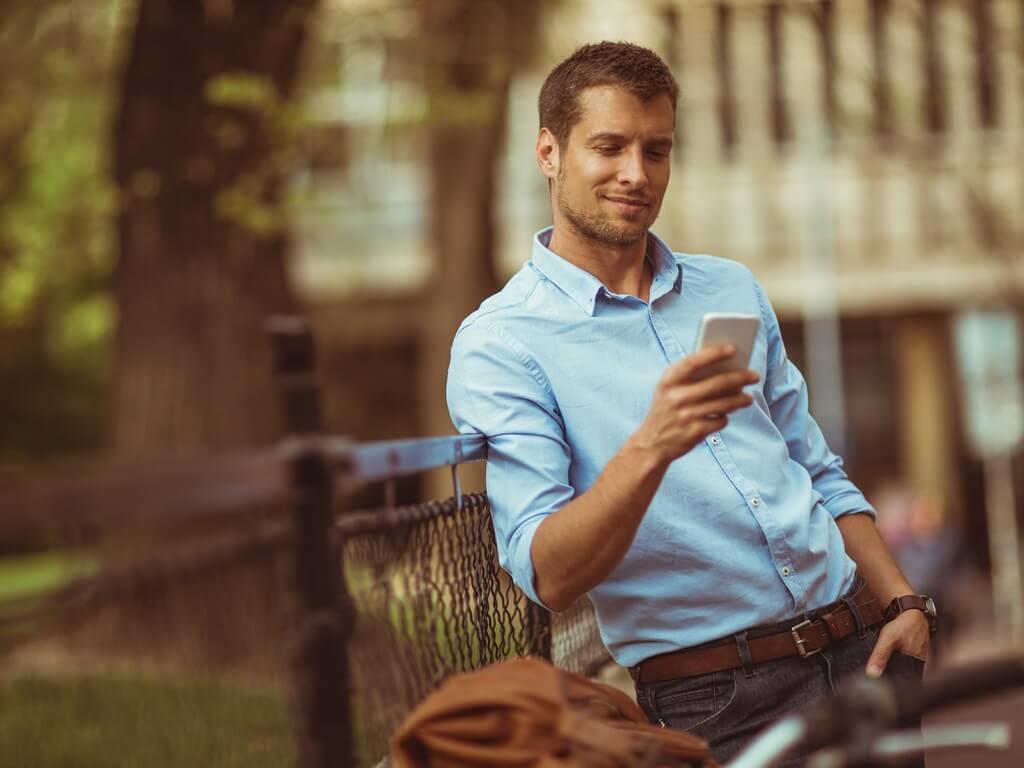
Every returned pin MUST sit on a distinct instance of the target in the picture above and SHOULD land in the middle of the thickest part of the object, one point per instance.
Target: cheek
(660, 175)
(659, 183)
(593, 172)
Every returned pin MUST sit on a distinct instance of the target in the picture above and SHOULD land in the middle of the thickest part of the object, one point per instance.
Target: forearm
(875, 562)
(578, 546)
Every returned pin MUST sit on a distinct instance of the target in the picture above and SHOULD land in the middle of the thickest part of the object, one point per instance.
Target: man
(706, 518)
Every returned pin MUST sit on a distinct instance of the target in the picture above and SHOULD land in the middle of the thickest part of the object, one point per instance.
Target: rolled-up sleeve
(495, 389)
(786, 393)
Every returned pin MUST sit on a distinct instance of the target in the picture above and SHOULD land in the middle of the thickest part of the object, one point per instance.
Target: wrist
(643, 456)
(906, 603)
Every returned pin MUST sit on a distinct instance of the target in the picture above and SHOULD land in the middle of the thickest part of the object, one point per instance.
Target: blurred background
(172, 173)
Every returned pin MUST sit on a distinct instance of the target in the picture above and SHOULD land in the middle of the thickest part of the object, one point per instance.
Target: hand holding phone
(739, 330)
(696, 394)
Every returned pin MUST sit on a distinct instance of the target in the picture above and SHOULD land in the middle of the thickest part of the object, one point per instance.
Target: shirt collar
(584, 288)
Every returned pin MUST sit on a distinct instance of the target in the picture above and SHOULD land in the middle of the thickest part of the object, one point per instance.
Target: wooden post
(934, 75)
(877, 19)
(781, 129)
(829, 64)
(323, 613)
(671, 18)
(723, 67)
(986, 70)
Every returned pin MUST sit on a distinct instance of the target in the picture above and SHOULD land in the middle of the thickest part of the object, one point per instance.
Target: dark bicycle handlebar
(867, 707)
(960, 684)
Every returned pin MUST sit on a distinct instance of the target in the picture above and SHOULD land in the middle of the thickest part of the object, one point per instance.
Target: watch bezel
(929, 605)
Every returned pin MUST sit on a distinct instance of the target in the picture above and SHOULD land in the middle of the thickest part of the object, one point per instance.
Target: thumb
(879, 657)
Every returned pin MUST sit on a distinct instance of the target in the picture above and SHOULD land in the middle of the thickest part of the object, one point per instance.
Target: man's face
(612, 172)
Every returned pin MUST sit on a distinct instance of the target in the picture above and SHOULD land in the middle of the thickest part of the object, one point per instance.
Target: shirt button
(755, 501)
(785, 571)
(715, 439)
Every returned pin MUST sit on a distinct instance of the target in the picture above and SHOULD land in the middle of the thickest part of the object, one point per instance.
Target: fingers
(907, 633)
(717, 407)
(689, 366)
(722, 385)
(704, 427)
(688, 371)
(880, 655)
(900, 634)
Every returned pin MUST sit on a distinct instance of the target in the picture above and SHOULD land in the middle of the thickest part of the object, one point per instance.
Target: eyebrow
(609, 136)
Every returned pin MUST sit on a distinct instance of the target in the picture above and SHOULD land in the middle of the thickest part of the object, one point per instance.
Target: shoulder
(493, 337)
(507, 304)
(713, 267)
(726, 285)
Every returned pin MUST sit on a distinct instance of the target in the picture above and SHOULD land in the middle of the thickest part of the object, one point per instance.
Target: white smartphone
(728, 328)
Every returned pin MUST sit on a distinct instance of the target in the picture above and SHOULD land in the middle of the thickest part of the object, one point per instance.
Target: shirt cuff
(850, 504)
(521, 569)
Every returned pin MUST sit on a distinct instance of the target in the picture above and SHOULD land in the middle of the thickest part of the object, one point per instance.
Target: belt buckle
(799, 642)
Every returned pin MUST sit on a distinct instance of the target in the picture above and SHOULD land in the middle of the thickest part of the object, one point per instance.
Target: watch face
(930, 607)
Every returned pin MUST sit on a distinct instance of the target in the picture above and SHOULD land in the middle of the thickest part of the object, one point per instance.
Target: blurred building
(865, 158)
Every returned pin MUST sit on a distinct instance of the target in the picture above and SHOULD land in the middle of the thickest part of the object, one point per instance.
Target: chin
(627, 236)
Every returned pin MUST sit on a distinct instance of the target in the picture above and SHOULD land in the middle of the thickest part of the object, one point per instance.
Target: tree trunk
(198, 163)
(472, 50)
(201, 146)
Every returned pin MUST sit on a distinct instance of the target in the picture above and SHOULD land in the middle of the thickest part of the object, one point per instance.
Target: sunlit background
(170, 178)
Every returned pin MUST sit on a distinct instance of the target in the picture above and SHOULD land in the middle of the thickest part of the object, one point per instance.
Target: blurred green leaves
(56, 224)
(248, 104)
(241, 90)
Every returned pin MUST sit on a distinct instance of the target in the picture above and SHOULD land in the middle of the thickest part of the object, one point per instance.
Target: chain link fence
(431, 600)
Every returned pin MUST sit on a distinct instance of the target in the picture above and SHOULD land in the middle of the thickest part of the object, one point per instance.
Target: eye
(608, 149)
(657, 154)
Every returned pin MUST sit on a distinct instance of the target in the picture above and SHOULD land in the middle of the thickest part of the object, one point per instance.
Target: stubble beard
(596, 227)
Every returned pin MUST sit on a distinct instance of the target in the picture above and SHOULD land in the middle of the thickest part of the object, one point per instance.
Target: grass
(34, 574)
(27, 580)
(121, 721)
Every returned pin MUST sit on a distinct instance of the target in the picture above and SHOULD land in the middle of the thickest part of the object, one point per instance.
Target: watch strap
(920, 603)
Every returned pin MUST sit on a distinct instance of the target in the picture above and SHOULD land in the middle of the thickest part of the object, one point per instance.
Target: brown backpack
(525, 712)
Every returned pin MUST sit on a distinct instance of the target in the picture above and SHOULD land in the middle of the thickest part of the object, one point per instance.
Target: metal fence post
(319, 660)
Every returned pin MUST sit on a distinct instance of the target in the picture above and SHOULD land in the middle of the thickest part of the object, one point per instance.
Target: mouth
(627, 204)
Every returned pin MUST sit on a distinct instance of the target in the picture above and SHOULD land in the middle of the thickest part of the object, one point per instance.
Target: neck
(621, 268)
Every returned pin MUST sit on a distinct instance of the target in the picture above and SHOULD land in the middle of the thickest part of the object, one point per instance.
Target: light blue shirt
(558, 372)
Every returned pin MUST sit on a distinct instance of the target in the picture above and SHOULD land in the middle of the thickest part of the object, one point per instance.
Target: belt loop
(746, 660)
(861, 629)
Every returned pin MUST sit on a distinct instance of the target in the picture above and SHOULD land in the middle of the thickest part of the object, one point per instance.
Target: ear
(547, 153)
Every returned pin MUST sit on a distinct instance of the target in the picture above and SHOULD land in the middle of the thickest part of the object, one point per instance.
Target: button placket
(776, 539)
(665, 339)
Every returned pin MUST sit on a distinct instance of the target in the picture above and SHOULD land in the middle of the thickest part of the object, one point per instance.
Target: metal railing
(384, 603)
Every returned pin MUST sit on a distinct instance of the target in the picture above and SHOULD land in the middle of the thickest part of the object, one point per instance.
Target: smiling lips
(630, 204)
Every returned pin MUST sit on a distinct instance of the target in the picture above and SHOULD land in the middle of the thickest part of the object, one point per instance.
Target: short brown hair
(637, 69)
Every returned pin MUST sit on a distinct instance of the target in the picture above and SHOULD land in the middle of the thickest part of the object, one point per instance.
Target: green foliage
(41, 573)
(56, 225)
(242, 90)
(28, 582)
(243, 204)
(117, 721)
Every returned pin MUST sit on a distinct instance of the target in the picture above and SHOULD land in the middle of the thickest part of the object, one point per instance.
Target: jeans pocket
(903, 666)
(904, 669)
(691, 702)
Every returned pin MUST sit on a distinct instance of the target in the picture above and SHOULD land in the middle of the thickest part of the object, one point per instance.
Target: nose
(632, 171)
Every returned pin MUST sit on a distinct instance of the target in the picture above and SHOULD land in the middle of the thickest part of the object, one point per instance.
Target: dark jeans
(729, 708)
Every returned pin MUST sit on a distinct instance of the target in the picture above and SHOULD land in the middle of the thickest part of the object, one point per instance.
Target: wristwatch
(921, 603)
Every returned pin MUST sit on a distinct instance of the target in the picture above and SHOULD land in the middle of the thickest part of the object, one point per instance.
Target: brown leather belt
(804, 638)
